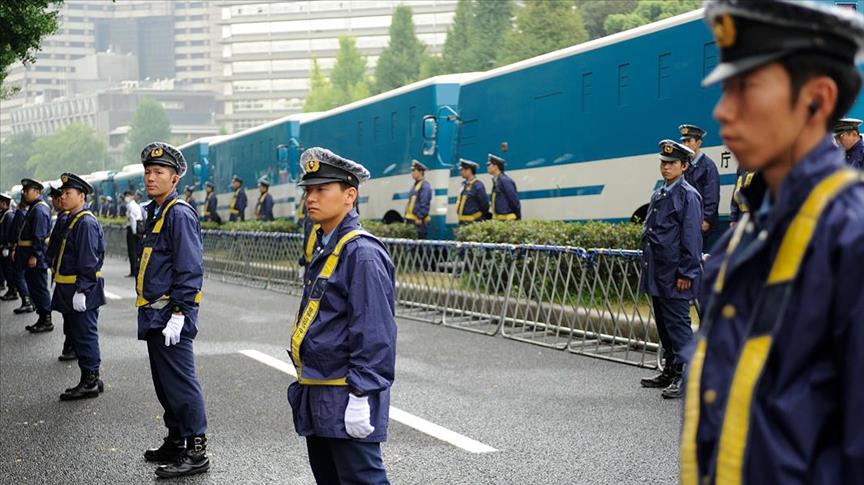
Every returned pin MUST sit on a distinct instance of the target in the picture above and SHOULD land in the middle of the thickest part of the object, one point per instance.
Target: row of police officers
(237, 204)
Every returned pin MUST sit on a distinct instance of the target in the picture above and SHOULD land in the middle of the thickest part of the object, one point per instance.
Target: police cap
(73, 181)
(847, 124)
(209, 184)
(54, 189)
(189, 188)
(671, 151)
(464, 163)
(159, 153)
(691, 131)
(417, 165)
(264, 181)
(29, 183)
(496, 160)
(5, 196)
(750, 33)
(321, 166)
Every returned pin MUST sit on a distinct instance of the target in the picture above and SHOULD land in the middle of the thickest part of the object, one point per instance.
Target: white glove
(79, 302)
(172, 329)
(357, 417)
(5, 253)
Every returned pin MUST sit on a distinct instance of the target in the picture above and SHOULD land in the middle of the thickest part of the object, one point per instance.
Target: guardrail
(580, 301)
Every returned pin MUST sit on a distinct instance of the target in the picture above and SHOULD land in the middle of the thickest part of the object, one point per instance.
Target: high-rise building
(169, 39)
(267, 48)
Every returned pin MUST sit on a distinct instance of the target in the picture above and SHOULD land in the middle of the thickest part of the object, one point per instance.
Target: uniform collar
(157, 210)
(698, 158)
(668, 188)
(859, 145)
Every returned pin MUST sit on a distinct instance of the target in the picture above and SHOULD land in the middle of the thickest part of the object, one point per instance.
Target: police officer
(211, 204)
(7, 222)
(505, 198)
(18, 270)
(473, 203)
(345, 354)
(774, 393)
(169, 290)
(703, 176)
(54, 241)
(671, 262)
(31, 253)
(264, 207)
(188, 196)
(847, 136)
(738, 206)
(237, 207)
(79, 289)
(419, 200)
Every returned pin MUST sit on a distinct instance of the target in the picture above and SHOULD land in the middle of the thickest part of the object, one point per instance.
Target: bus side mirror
(430, 134)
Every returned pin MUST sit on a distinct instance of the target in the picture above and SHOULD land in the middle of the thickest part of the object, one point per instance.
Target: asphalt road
(553, 417)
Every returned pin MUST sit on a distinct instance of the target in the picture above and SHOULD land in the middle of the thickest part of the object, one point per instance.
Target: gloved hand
(5, 252)
(79, 302)
(357, 417)
(172, 329)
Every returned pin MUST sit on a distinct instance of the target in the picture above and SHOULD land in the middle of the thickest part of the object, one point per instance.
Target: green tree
(348, 77)
(399, 63)
(432, 66)
(74, 148)
(25, 23)
(150, 123)
(648, 11)
(543, 26)
(594, 13)
(454, 55)
(320, 95)
(14, 153)
(492, 21)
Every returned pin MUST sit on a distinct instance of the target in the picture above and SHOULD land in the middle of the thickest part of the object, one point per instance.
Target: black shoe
(42, 325)
(194, 460)
(67, 354)
(661, 380)
(171, 451)
(26, 306)
(675, 390)
(100, 385)
(87, 388)
(10, 295)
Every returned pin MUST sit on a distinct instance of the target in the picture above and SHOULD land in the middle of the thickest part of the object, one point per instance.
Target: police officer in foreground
(419, 200)
(7, 237)
(671, 263)
(189, 197)
(849, 138)
(237, 206)
(169, 290)
(774, 392)
(343, 343)
(79, 289)
(264, 207)
(61, 221)
(473, 203)
(703, 176)
(31, 253)
(211, 204)
(505, 198)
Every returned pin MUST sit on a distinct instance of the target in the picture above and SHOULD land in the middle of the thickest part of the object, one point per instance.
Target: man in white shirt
(133, 215)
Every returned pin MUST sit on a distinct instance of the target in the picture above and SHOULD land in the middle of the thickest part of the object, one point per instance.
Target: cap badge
(724, 31)
(64, 178)
(157, 152)
(668, 149)
(312, 166)
(685, 131)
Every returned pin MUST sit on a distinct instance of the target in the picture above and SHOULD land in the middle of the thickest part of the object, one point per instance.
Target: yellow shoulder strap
(310, 244)
(66, 236)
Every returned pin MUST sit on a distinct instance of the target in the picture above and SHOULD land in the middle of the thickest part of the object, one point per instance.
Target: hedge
(555, 233)
(395, 230)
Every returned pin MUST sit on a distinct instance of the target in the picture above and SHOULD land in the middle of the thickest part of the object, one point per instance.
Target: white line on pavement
(112, 296)
(396, 414)
(119, 295)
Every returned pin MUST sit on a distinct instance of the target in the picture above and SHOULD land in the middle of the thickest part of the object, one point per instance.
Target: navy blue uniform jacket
(37, 224)
(175, 267)
(703, 176)
(505, 197)
(672, 242)
(237, 206)
(855, 155)
(805, 424)
(419, 201)
(473, 203)
(264, 207)
(353, 335)
(8, 237)
(82, 257)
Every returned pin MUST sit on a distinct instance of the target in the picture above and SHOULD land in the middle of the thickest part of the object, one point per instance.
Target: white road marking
(112, 296)
(120, 295)
(396, 414)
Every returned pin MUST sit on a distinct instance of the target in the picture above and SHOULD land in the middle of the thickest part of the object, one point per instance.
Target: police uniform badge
(64, 178)
(157, 152)
(312, 166)
(724, 31)
(668, 149)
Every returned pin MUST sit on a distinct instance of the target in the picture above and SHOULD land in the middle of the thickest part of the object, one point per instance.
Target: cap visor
(664, 158)
(725, 70)
(319, 181)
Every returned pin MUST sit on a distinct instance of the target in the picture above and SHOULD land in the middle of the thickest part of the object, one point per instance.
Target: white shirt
(133, 214)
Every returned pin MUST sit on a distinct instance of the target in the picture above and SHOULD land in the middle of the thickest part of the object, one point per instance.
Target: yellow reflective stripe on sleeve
(70, 279)
(310, 311)
(57, 276)
(310, 244)
(730, 248)
(736, 420)
(504, 217)
(689, 464)
(798, 236)
(145, 256)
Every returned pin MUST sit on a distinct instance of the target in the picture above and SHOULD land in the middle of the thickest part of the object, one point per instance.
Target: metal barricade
(423, 273)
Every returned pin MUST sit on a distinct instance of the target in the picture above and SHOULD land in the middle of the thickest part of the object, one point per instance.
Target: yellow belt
(470, 217)
(504, 217)
(70, 279)
(26, 243)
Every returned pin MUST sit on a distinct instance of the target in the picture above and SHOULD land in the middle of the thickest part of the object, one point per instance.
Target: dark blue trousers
(177, 386)
(8, 272)
(20, 280)
(80, 328)
(336, 461)
(673, 325)
(37, 284)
